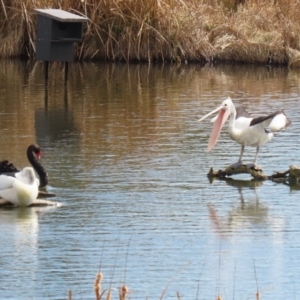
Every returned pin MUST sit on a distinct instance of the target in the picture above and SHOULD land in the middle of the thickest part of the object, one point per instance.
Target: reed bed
(124, 292)
(246, 31)
(106, 293)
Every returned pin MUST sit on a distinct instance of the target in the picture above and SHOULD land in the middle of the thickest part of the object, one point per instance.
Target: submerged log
(46, 194)
(37, 202)
(294, 172)
(290, 176)
(256, 173)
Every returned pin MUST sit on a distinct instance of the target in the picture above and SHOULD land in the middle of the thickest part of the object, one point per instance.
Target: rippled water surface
(127, 158)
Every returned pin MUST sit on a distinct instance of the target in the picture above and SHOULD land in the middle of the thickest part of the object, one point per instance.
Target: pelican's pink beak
(219, 121)
(215, 133)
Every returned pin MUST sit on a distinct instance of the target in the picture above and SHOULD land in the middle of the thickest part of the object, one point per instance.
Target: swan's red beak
(214, 136)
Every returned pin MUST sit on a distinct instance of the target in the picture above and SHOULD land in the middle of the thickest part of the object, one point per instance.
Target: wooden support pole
(46, 66)
(66, 72)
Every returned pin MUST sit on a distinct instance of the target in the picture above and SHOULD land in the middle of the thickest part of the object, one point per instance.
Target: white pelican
(244, 129)
(21, 190)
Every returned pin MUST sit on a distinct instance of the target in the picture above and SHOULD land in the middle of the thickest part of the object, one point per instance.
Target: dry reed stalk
(257, 295)
(70, 295)
(234, 281)
(198, 285)
(257, 289)
(123, 292)
(219, 274)
(167, 286)
(4, 9)
(124, 289)
(108, 296)
(97, 285)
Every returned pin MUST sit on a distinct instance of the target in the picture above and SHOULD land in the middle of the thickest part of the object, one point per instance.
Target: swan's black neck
(32, 152)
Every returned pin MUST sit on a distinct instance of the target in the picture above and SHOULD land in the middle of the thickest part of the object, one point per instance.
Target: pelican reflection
(246, 213)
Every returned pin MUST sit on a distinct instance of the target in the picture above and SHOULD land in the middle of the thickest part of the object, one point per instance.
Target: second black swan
(33, 155)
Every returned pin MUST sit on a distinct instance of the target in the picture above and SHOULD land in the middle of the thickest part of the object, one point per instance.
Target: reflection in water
(128, 102)
(125, 154)
(252, 223)
(249, 212)
(55, 122)
(19, 257)
(294, 185)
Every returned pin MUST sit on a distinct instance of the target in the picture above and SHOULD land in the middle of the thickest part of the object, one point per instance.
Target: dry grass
(249, 31)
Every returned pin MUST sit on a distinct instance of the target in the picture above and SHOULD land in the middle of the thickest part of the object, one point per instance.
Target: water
(128, 160)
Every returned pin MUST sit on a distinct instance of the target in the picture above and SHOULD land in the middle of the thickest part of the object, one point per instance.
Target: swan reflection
(19, 247)
(20, 227)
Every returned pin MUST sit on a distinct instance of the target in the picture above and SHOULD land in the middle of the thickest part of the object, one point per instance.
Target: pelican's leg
(239, 162)
(256, 155)
(254, 165)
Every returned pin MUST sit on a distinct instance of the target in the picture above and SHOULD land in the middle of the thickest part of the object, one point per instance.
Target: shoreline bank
(179, 31)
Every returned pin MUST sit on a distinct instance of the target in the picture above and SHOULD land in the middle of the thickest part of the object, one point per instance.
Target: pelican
(21, 190)
(244, 129)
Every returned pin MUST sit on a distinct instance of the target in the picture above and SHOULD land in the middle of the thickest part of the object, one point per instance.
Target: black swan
(33, 155)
